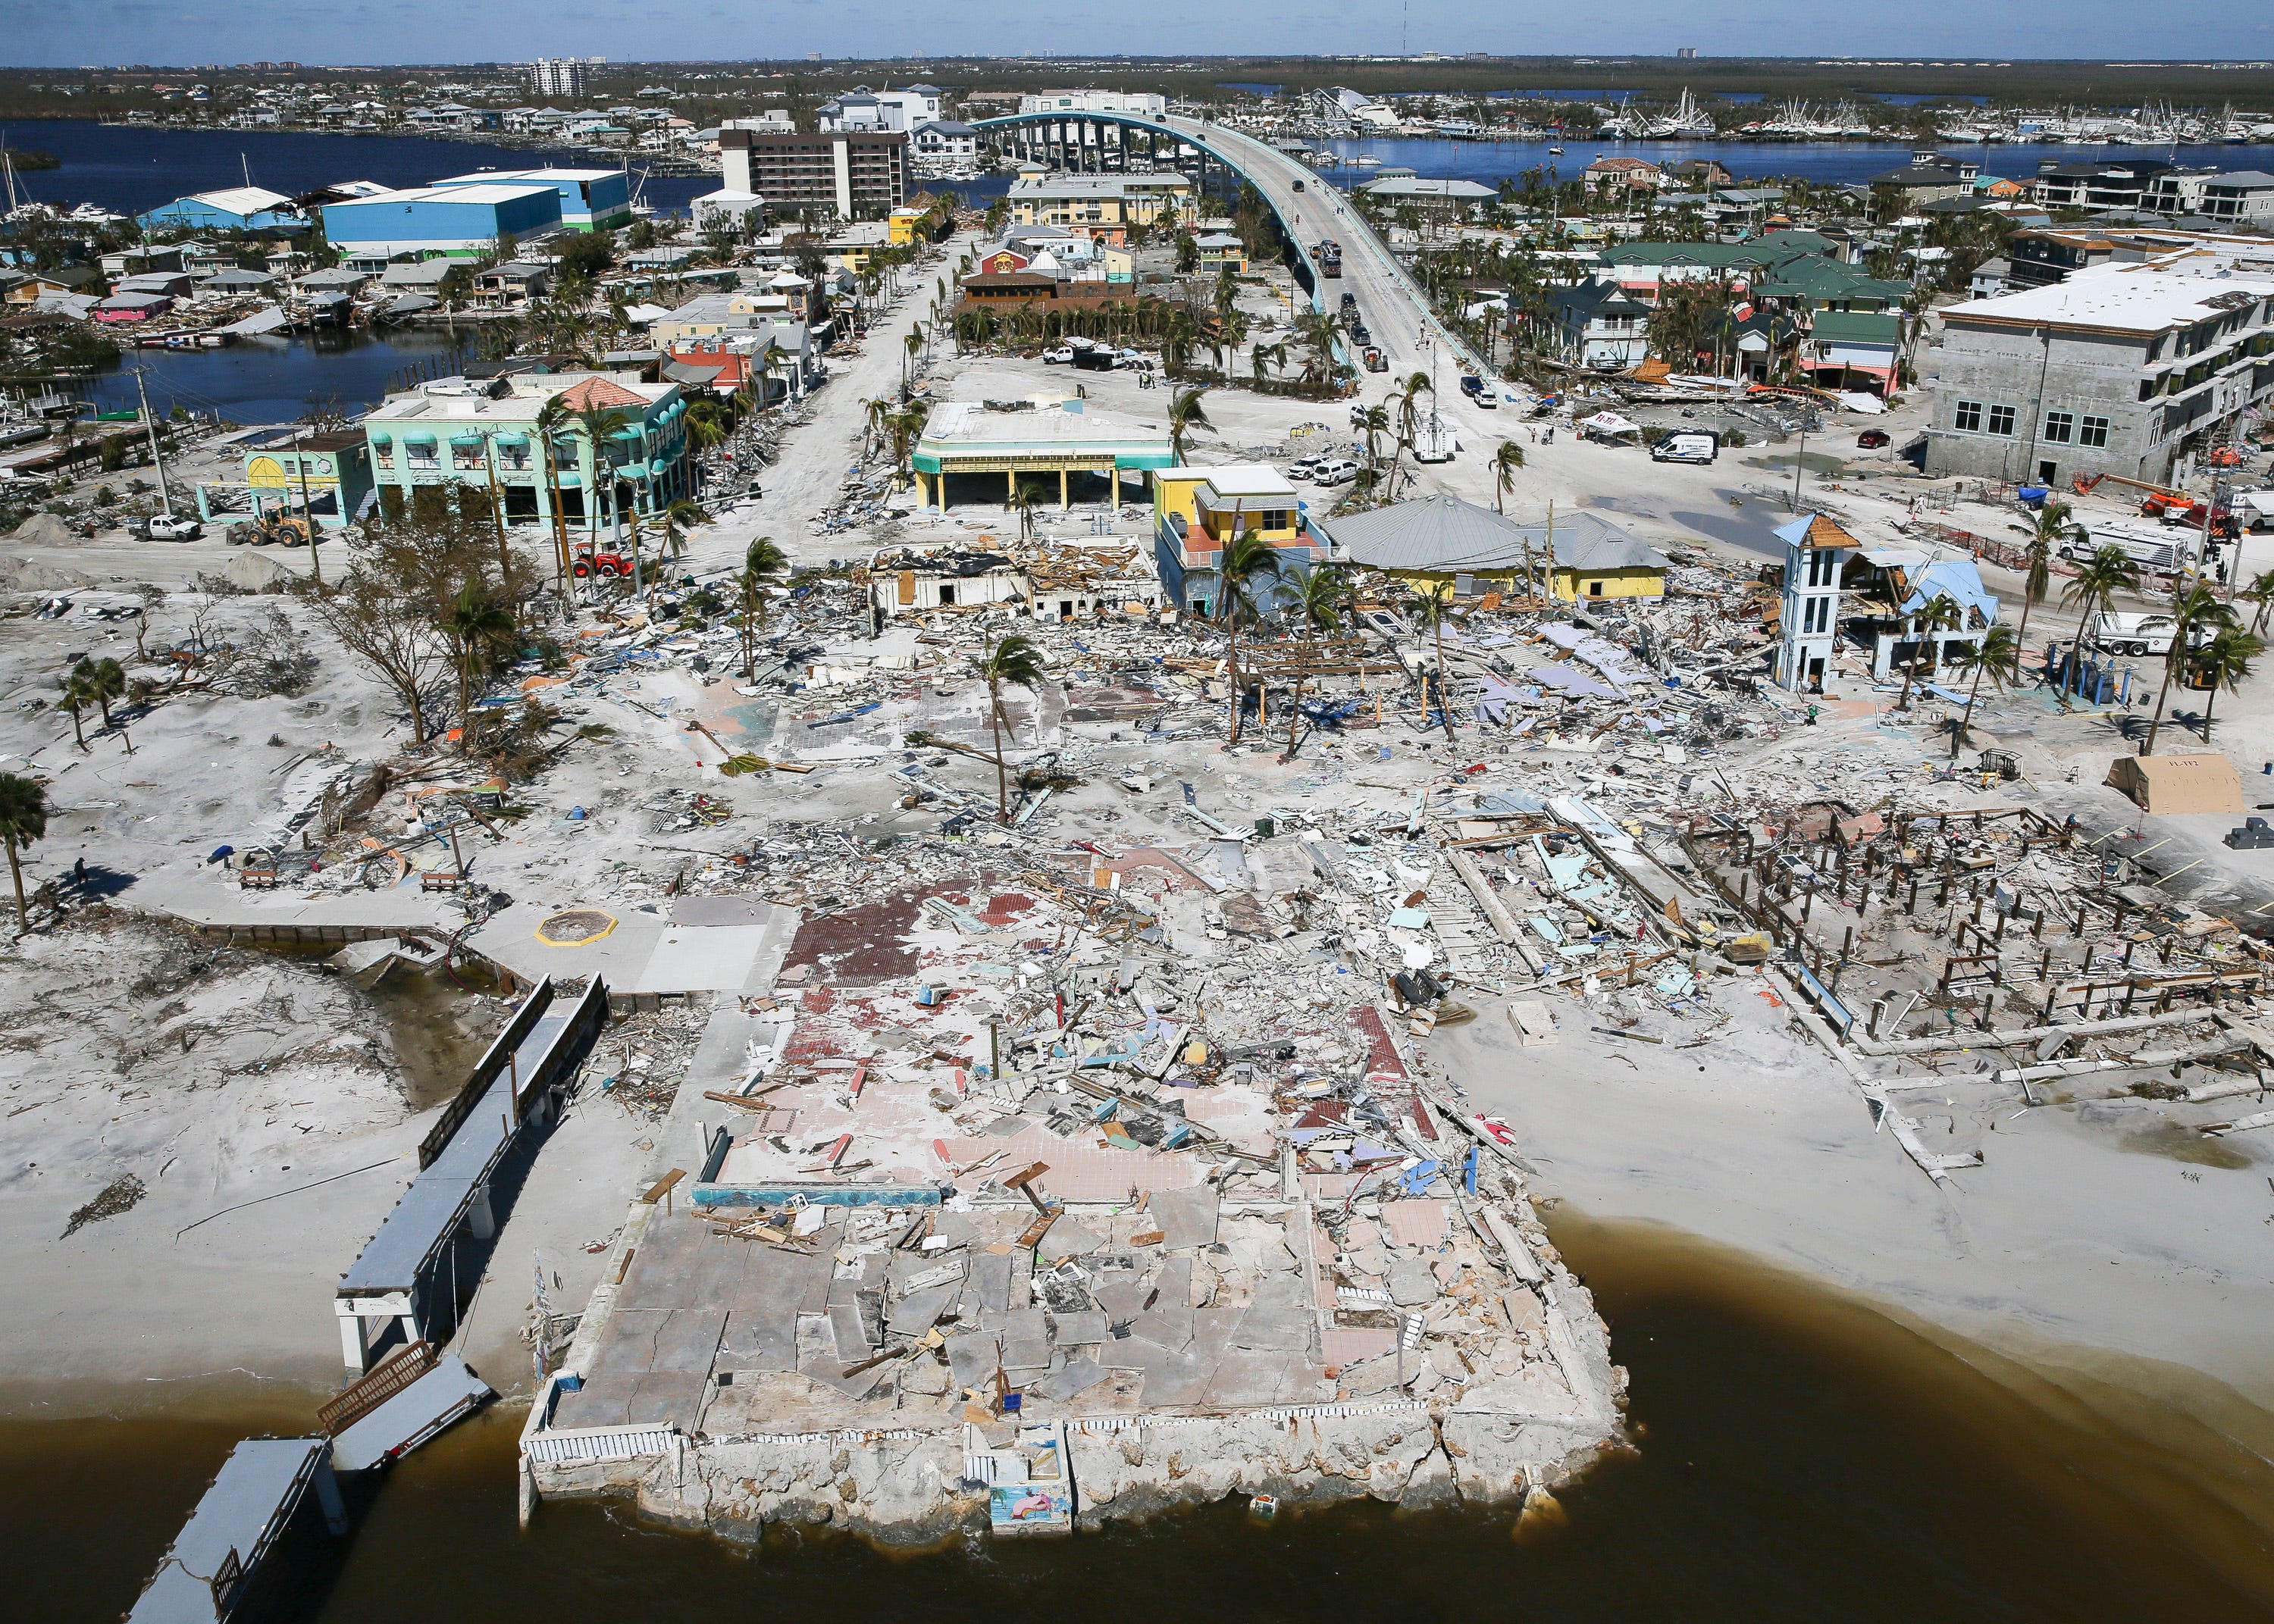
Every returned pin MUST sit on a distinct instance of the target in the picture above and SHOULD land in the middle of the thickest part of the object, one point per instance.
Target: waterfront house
(125, 307)
(457, 430)
(1623, 175)
(1430, 196)
(515, 282)
(944, 140)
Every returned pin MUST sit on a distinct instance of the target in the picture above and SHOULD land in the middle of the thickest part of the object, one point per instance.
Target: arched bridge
(1393, 306)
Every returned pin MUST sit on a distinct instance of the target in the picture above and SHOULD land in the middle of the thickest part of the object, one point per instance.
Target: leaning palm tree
(1018, 661)
(1243, 563)
(476, 625)
(2224, 662)
(2194, 610)
(1997, 654)
(1265, 359)
(1505, 461)
(1431, 608)
(1185, 414)
(677, 520)
(762, 565)
(1939, 614)
(2054, 526)
(23, 819)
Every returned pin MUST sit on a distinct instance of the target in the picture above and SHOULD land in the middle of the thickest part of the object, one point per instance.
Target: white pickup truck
(166, 527)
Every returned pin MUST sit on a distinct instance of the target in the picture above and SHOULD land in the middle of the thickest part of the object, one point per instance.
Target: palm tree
(1243, 560)
(477, 623)
(105, 679)
(1316, 332)
(1430, 608)
(1409, 422)
(1185, 414)
(2054, 526)
(2261, 591)
(1322, 596)
(2193, 608)
(1265, 359)
(2225, 660)
(2110, 570)
(1018, 661)
(910, 346)
(1939, 614)
(762, 565)
(1374, 420)
(551, 421)
(1996, 655)
(77, 698)
(600, 424)
(678, 519)
(23, 819)
(1026, 497)
(1505, 461)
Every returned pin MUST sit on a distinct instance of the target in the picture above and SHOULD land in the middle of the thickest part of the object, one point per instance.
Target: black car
(1299, 185)
(1359, 332)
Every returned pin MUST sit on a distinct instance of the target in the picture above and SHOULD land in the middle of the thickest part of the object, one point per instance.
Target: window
(2095, 433)
(2001, 419)
(2060, 427)
(1970, 417)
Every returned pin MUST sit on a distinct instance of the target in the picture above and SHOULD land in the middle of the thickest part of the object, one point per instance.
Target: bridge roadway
(1396, 313)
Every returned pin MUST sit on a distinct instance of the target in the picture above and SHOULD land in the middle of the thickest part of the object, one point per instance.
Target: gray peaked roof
(1445, 535)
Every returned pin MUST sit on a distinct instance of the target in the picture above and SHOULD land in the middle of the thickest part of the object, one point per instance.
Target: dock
(409, 1272)
(219, 1569)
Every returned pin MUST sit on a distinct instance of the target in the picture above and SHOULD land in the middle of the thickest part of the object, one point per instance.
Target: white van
(1687, 446)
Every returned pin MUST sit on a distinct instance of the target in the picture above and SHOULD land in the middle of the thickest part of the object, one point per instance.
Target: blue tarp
(1959, 581)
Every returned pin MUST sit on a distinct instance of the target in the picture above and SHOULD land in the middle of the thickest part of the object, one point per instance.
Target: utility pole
(308, 506)
(149, 423)
(1799, 463)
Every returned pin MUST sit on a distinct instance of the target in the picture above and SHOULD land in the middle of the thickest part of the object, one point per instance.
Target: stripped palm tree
(1430, 608)
(1018, 661)
(477, 624)
(2261, 591)
(1321, 597)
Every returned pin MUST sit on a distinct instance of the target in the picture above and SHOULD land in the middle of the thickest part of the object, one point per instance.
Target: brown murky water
(1802, 1457)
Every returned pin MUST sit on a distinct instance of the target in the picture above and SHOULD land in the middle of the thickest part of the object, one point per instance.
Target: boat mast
(165, 492)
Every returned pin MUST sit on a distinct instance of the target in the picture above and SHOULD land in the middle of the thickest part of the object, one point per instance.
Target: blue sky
(72, 32)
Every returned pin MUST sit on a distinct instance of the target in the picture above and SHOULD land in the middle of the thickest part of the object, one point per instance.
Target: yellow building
(1443, 541)
(1108, 207)
(903, 226)
(1196, 510)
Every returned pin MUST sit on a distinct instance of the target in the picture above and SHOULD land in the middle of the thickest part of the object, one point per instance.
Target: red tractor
(590, 561)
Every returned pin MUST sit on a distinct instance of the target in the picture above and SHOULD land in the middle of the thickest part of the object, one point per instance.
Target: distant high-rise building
(1687, 52)
(562, 76)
